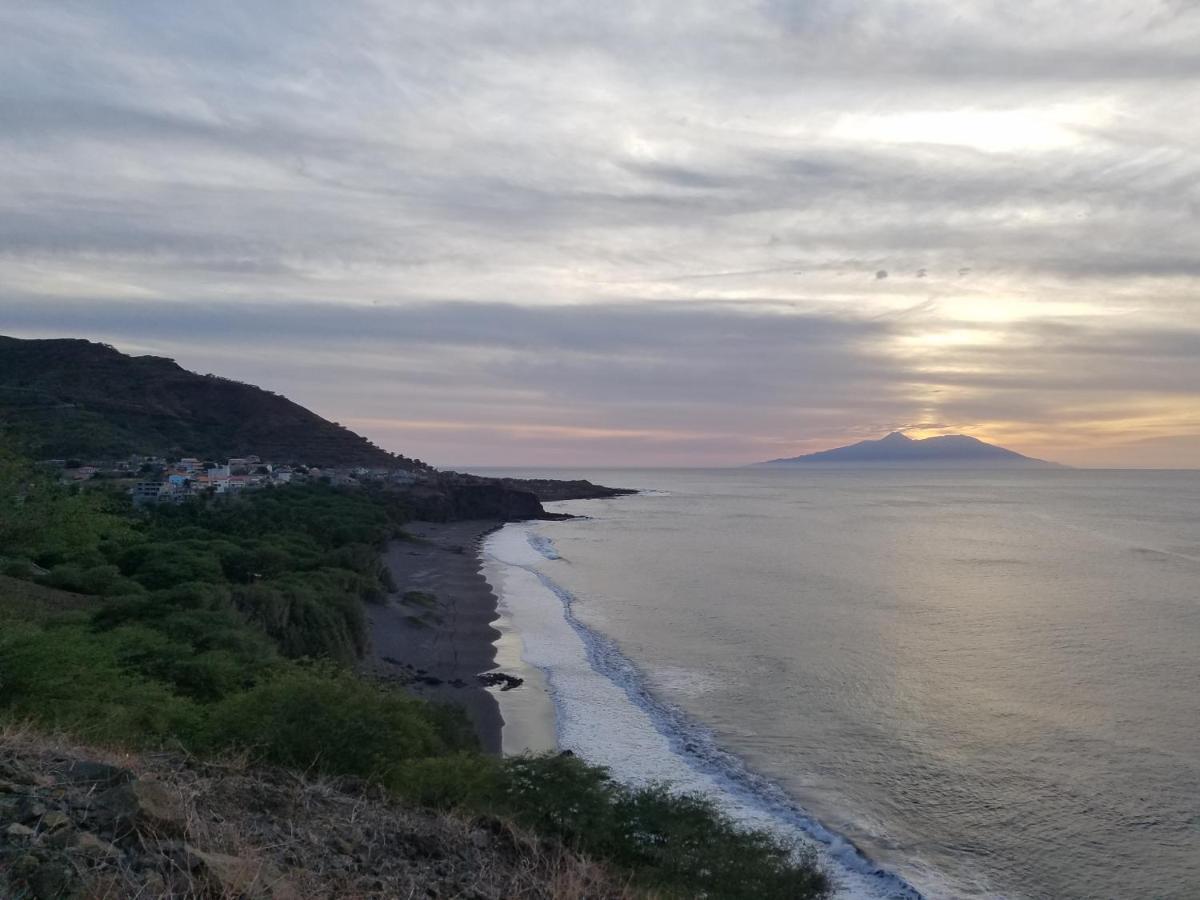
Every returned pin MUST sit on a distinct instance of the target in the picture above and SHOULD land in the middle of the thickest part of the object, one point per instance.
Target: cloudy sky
(667, 233)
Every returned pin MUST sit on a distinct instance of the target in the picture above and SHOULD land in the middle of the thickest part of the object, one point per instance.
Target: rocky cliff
(548, 490)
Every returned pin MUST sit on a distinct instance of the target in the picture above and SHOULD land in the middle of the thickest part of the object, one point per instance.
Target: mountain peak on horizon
(897, 448)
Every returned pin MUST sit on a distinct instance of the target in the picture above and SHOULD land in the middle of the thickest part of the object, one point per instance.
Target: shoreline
(530, 719)
(642, 738)
(444, 626)
(459, 627)
(435, 633)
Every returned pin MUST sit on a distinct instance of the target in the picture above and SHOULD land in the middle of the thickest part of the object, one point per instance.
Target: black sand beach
(435, 633)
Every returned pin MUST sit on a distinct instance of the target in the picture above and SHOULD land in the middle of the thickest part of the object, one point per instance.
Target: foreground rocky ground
(85, 824)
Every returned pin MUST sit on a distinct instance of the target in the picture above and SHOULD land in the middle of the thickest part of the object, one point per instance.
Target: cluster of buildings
(160, 480)
(190, 477)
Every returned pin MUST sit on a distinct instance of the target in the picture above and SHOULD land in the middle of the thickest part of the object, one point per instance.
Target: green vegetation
(231, 625)
(679, 845)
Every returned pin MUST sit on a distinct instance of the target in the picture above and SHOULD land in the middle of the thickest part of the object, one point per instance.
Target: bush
(306, 616)
(174, 564)
(65, 677)
(18, 568)
(683, 839)
(460, 781)
(677, 844)
(314, 716)
(559, 795)
(64, 576)
(102, 580)
(673, 842)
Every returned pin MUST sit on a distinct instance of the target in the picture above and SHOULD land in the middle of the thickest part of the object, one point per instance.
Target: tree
(42, 520)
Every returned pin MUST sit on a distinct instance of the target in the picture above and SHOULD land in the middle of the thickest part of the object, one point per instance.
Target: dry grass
(284, 836)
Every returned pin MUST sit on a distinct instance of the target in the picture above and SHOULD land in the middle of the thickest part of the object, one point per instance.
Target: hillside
(85, 822)
(952, 450)
(75, 398)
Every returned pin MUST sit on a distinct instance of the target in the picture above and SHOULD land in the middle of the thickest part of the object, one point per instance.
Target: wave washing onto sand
(606, 714)
(543, 545)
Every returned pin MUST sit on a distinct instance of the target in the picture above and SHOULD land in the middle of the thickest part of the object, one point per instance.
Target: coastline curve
(605, 712)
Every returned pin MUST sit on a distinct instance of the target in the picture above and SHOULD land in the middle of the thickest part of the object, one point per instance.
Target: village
(156, 479)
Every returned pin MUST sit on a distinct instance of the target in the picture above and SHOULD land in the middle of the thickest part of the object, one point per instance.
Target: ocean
(956, 684)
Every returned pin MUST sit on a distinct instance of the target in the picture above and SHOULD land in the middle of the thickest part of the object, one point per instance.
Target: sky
(627, 233)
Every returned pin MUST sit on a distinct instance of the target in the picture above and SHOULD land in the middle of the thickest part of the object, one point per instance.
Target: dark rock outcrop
(459, 496)
(450, 502)
(548, 490)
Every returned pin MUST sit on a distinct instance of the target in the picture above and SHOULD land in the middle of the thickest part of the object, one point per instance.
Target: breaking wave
(606, 713)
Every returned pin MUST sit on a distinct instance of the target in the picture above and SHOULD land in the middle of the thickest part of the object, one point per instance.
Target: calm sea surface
(990, 682)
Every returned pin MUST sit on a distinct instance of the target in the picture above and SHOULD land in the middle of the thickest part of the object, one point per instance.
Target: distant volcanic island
(896, 449)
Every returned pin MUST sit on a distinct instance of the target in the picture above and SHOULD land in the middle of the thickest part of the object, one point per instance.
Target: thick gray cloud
(627, 232)
(655, 378)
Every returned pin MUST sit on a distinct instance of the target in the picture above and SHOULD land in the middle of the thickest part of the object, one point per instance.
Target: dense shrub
(102, 580)
(671, 841)
(66, 677)
(138, 686)
(316, 717)
(306, 616)
(18, 568)
(295, 562)
(460, 781)
(173, 564)
(677, 844)
(47, 523)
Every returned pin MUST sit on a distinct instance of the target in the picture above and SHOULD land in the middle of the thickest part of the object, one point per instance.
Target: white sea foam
(543, 545)
(606, 714)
